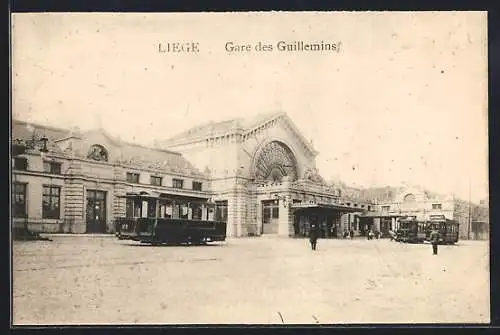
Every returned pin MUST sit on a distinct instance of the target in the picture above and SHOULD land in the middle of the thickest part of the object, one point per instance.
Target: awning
(380, 215)
(320, 206)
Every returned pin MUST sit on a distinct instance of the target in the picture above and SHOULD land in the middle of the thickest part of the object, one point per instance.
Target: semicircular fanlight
(274, 162)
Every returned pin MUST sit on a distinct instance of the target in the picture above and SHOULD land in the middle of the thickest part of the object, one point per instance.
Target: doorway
(96, 211)
(270, 217)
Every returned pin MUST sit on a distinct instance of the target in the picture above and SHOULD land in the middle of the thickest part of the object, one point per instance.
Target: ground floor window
(221, 210)
(19, 200)
(270, 211)
(51, 201)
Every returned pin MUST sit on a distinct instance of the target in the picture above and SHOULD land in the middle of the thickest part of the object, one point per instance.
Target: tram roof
(380, 215)
(162, 196)
(335, 207)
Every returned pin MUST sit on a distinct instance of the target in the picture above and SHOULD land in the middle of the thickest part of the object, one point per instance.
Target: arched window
(274, 162)
(409, 198)
(98, 153)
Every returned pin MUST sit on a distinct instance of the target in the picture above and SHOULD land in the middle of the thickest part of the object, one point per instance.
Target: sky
(404, 99)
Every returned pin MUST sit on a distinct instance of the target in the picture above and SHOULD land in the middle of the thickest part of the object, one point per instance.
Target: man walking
(313, 235)
(434, 237)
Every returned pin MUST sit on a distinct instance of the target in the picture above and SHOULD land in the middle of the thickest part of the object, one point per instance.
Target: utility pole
(469, 223)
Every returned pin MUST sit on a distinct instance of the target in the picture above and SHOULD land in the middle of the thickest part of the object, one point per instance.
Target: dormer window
(197, 186)
(98, 153)
(20, 163)
(52, 167)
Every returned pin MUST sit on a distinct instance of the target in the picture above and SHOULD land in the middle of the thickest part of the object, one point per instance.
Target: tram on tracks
(168, 219)
(448, 229)
(412, 230)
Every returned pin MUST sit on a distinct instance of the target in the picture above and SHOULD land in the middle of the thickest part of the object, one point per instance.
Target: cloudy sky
(405, 99)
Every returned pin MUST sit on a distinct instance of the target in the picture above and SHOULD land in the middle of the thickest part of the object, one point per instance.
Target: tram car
(159, 220)
(411, 230)
(448, 230)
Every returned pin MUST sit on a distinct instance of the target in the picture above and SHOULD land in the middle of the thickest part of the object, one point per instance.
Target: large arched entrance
(274, 162)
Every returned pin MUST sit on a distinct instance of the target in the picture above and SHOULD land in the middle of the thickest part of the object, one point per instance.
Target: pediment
(289, 129)
(98, 145)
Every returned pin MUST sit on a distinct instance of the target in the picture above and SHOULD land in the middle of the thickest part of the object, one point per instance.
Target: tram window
(197, 211)
(129, 208)
(183, 211)
(133, 208)
(168, 211)
(151, 209)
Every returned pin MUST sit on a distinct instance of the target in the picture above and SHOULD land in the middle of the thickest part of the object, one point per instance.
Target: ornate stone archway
(273, 162)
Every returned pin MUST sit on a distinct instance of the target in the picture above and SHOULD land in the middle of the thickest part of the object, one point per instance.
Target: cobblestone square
(266, 280)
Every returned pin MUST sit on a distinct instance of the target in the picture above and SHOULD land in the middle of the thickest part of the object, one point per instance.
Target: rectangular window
(51, 198)
(52, 167)
(369, 208)
(276, 213)
(19, 200)
(177, 183)
(221, 211)
(270, 211)
(386, 208)
(197, 186)
(21, 163)
(133, 177)
(155, 180)
(436, 206)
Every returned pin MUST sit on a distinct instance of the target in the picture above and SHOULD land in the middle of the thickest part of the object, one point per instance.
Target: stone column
(285, 225)
(74, 212)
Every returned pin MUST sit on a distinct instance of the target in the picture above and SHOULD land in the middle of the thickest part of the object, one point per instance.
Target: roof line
(114, 139)
(48, 127)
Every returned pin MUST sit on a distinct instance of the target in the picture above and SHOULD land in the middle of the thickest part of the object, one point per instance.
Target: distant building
(393, 203)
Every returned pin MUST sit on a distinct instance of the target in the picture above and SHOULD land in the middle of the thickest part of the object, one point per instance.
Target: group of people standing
(314, 233)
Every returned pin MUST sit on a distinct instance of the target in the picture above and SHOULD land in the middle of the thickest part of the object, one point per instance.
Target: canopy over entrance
(326, 216)
(374, 215)
(332, 208)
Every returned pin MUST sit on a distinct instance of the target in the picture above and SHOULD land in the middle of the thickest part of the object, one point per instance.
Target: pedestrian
(434, 237)
(351, 234)
(313, 235)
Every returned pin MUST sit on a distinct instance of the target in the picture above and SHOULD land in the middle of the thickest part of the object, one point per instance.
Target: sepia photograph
(249, 168)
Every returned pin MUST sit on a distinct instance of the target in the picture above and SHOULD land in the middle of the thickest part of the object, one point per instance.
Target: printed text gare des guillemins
(236, 47)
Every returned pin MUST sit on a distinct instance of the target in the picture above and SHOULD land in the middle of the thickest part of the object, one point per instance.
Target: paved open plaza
(266, 280)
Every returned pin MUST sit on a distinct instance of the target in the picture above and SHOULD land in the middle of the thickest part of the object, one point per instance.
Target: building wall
(451, 208)
(77, 177)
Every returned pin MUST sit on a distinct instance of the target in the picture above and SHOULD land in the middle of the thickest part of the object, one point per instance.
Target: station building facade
(259, 173)
(76, 186)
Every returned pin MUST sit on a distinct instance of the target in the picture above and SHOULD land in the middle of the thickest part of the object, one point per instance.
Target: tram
(448, 229)
(411, 230)
(169, 219)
